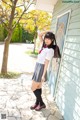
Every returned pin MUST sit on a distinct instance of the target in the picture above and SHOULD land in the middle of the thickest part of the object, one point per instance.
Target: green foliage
(21, 35)
(5, 33)
(27, 36)
(1, 33)
(36, 18)
(30, 36)
(26, 30)
(17, 34)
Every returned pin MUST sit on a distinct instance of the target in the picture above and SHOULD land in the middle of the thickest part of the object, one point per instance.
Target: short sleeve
(50, 54)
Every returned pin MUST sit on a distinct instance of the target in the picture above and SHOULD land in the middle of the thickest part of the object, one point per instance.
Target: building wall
(67, 91)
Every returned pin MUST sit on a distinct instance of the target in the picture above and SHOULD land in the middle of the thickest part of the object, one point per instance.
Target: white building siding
(68, 85)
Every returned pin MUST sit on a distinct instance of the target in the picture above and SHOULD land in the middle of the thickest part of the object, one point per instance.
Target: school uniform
(46, 53)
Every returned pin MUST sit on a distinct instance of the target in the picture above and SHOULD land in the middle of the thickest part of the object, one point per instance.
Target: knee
(32, 87)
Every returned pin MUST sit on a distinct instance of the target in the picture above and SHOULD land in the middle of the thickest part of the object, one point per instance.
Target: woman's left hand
(43, 79)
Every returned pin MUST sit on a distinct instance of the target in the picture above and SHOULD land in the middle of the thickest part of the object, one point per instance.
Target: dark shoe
(38, 108)
(33, 107)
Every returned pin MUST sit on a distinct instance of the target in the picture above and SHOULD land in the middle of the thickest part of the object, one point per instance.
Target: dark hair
(53, 44)
(51, 36)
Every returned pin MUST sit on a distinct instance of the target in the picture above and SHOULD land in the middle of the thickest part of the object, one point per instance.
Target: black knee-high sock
(38, 95)
(37, 102)
(40, 90)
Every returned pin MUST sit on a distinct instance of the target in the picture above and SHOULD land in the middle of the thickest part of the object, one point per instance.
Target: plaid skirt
(38, 72)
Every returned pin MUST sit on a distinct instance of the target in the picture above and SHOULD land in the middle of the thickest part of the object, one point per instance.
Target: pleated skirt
(38, 72)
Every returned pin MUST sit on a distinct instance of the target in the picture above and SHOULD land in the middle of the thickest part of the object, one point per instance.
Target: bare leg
(36, 85)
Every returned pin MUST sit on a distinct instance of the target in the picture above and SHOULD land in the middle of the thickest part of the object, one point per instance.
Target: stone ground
(16, 98)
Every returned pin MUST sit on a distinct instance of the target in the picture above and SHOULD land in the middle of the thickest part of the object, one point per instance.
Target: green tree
(36, 20)
(11, 11)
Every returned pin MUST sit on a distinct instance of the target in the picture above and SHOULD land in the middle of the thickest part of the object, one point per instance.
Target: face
(48, 41)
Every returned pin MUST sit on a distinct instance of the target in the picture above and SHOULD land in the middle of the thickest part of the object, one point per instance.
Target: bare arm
(41, 35)
(45, 69)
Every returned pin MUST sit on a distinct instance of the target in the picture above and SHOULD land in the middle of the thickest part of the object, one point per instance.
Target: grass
(10, 75)
(32, 53)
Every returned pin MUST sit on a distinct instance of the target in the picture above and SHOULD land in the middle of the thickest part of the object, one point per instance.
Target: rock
(11, 104)
(11, 118)
(14, 112)
(50, 117)
(46, 112)
(26, 114)
(58, 115)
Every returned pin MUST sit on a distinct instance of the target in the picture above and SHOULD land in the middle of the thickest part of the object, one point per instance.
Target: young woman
(44, 56)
